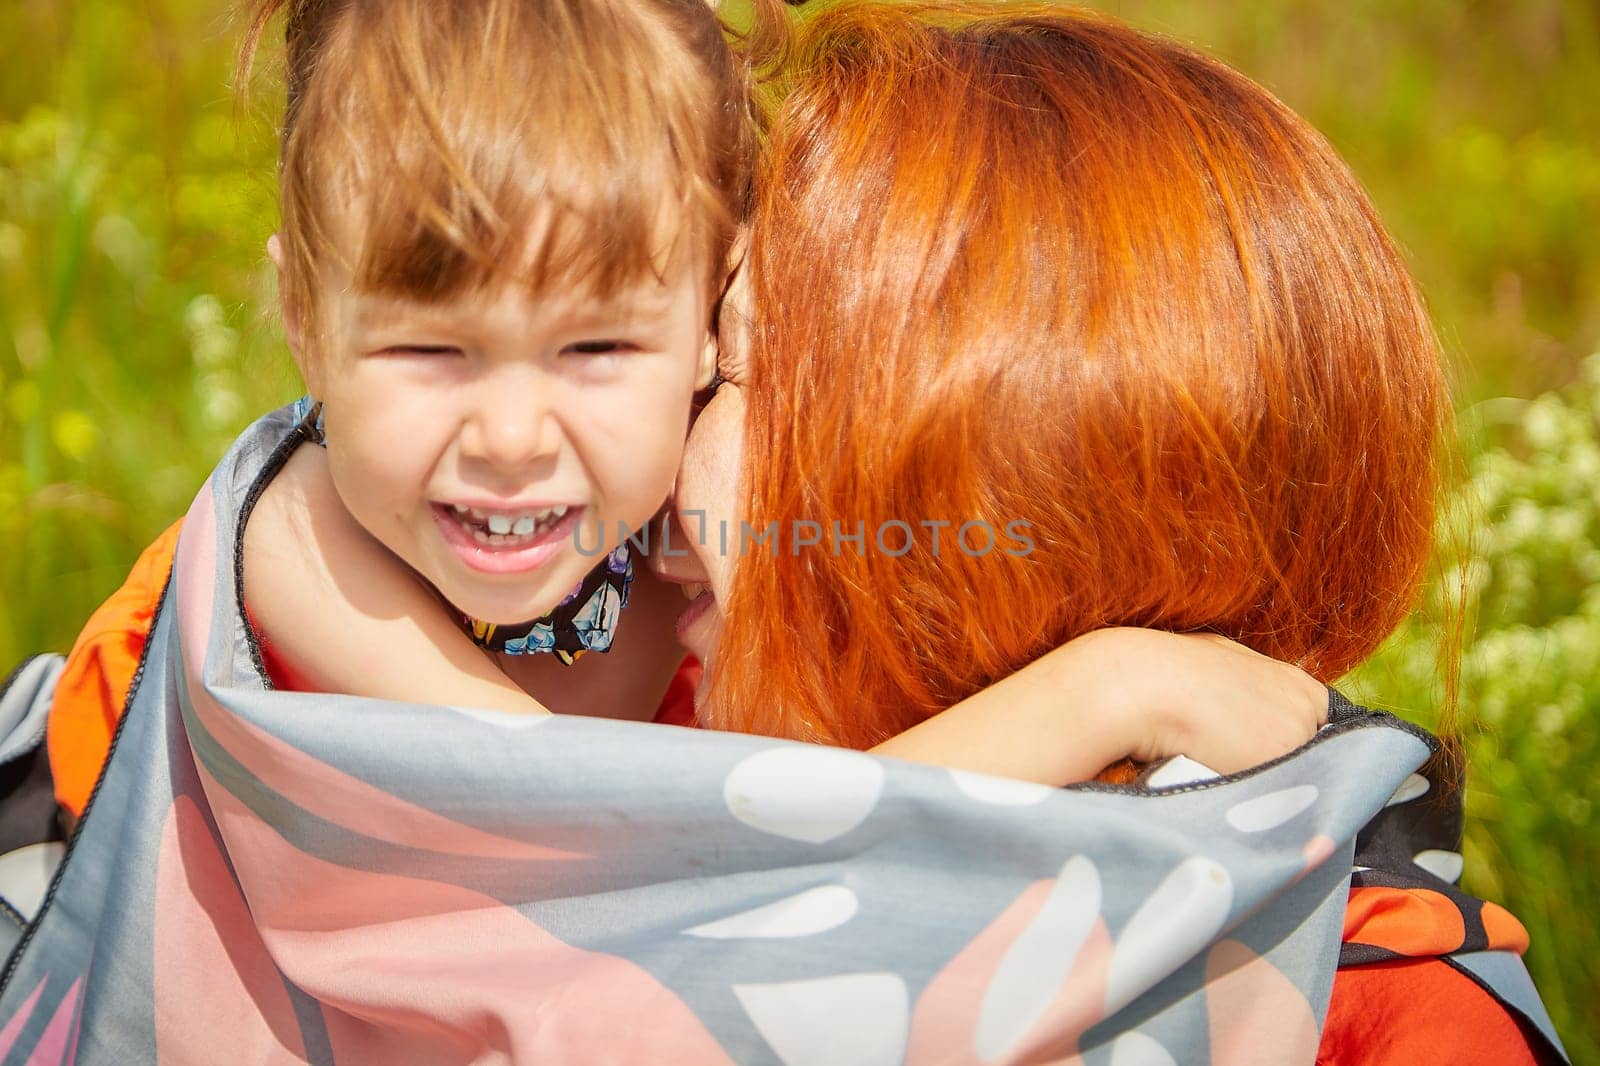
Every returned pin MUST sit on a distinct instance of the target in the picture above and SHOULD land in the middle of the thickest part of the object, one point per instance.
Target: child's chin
(510, 616)
(514, 598)
(502, 610)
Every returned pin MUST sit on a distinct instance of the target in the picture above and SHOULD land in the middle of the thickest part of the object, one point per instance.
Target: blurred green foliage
(1522, 537)
(133, 211)
(1473, 127)
(135, 199)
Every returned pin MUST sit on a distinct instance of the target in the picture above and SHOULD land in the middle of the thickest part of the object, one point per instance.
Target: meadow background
(136, 339)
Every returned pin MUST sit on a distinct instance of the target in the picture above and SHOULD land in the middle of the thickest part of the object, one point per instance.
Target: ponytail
(306, 22)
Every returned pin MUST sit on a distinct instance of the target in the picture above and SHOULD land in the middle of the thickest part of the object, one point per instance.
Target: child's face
(486, 441)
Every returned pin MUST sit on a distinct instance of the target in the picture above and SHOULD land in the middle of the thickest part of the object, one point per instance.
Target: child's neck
(626, 682)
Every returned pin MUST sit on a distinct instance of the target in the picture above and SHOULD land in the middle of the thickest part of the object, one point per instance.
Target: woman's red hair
(1031, 264)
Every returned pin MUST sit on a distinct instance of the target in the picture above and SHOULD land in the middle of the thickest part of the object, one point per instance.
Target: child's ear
(292, 325)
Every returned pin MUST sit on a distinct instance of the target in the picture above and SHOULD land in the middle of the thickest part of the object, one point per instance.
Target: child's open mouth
(505, 541)
(498, 529)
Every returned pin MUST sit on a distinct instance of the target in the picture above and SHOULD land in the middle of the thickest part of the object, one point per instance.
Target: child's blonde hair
(431, 149)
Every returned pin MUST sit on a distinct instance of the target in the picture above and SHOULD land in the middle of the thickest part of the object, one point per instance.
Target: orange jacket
(94, 686)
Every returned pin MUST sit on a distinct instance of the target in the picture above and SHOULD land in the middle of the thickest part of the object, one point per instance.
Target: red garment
(1418, 1008)
(677, 705)
(1411, 1012)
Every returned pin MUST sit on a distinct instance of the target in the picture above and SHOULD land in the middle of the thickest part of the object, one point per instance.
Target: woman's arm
(1124, 693)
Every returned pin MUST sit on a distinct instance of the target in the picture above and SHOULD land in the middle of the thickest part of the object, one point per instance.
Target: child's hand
(1204, 696)
(1124, 693)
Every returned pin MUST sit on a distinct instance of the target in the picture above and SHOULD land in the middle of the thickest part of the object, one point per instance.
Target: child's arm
(1124, 693)
(351, 618)
(1084, 706)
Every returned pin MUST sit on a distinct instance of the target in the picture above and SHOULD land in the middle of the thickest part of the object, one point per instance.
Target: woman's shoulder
(1429, 972)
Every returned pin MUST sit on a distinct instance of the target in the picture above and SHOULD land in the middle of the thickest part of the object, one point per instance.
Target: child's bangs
(543, 144)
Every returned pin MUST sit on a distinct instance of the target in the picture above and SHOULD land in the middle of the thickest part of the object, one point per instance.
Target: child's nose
(511, 425)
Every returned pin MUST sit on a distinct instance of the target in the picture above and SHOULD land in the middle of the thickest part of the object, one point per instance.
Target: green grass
(135, 342)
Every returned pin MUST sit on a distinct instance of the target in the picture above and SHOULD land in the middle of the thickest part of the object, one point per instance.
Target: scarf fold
(267, 876)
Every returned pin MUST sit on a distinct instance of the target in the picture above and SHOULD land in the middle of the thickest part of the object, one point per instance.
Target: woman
(1085, 278)
(1122, 294)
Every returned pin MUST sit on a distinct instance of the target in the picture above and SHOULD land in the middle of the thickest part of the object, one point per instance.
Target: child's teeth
(509, 525)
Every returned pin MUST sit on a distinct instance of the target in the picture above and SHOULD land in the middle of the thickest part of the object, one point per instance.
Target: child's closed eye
(600, 346)
(422, 350)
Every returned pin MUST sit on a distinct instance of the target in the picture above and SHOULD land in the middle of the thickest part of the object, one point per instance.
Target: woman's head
(1028, 264)
(505, 226)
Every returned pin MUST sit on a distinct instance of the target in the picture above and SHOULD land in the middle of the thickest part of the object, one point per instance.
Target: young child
(506, 227)
(501, 243)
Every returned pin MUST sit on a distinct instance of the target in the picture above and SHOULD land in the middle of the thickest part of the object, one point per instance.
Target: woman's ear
(292, 326)
(705, 371)
(729, 315)
(730, 335)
